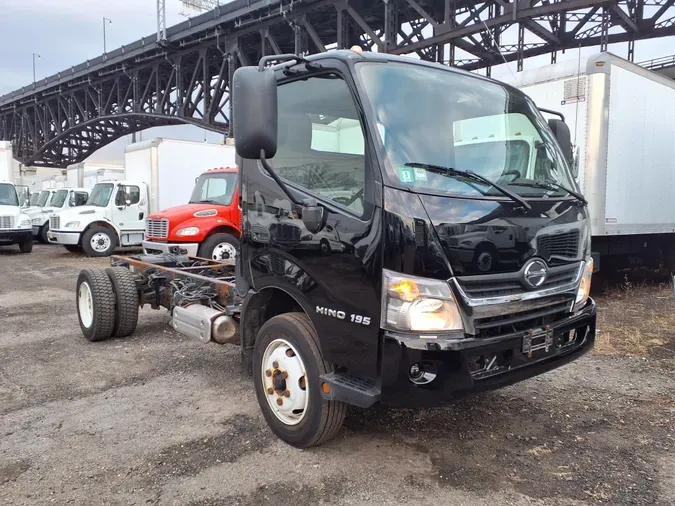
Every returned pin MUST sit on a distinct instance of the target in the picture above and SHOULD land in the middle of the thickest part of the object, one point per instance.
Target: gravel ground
(160, 419)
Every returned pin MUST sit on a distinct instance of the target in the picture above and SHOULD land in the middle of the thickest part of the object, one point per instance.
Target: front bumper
(151, 247)
(64, 237)
(466, 366)
(15, 236)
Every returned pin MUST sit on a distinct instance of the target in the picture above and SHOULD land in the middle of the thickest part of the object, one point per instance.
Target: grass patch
(636, 320)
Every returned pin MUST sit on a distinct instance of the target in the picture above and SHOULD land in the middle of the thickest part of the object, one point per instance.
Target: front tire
(287, 365)
(26, 246)
(219, 247)
(99, 242)
(95, 304)
(42, 235)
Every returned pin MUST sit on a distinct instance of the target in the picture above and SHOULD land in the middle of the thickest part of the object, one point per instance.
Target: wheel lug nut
(287, 393)
(284, 375)
(280, 401)
(268, 372)
(275, 364)
(270, 390)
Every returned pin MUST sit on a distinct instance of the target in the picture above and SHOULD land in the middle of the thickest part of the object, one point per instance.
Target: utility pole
(109, 22)
(34, 55)
(161, 20)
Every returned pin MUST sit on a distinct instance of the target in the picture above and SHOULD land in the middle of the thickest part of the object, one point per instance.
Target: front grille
(55, 222)
(497, 285)
(6, 222)
(157, 228)
(521, 322)
(564, 245)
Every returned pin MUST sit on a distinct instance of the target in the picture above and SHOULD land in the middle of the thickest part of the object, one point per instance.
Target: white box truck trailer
(622, 122)
(158, 174)
(87, 174)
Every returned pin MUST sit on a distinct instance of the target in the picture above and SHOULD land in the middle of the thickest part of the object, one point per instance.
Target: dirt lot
(160, 419)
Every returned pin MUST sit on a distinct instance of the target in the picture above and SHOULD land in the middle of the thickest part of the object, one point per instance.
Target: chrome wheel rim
(224, 251)
(100, 242)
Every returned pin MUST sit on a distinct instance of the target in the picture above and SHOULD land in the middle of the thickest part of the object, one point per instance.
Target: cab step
(352, 389)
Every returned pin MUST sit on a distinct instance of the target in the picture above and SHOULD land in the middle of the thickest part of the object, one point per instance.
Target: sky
(68, 32)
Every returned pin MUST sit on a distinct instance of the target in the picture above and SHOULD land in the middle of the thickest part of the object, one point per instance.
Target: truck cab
(64, 198)
(15, 226)
(207, 226)
(113, 216)
(370, 151)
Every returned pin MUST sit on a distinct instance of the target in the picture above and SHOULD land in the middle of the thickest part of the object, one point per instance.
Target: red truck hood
(185, 212)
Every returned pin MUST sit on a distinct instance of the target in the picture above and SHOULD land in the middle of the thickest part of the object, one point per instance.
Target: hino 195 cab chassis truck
(376, 267)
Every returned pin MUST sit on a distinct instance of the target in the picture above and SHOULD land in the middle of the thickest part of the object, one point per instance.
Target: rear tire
(99, 242)
(26, 246)
(219, 247)
(73, 248)
(95, 304)
(126, 301)
(304, 418)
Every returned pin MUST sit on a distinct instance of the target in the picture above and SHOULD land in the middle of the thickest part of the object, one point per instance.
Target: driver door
(127, 213)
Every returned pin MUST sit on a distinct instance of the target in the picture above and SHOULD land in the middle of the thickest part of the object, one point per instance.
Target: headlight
(417, 304)
(72, 224)
(188, 231)
(25, 223)
(585, 284)
(36, 221)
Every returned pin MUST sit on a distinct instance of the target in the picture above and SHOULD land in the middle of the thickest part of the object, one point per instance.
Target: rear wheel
(26, 246)
(287, 365)
(126, 301)
(99, 242)
(95, 304)
(219, 247)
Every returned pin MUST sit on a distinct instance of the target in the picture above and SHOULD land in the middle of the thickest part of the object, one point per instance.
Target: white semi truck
(15, 226)
(158, 174)
(621, 121)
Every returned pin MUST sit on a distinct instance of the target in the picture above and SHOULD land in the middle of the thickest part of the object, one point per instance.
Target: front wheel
(26, 246)
(42, 235)
(99, 242)
(287, 365)
(219, 247)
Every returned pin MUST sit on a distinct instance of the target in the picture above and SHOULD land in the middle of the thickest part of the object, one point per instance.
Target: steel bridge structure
(182, 74)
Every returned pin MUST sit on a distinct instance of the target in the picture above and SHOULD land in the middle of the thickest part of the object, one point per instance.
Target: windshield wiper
(469, 174)
(551, 186)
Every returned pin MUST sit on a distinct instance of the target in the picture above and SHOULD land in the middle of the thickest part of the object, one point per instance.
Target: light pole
(109, 22)
(34, 55)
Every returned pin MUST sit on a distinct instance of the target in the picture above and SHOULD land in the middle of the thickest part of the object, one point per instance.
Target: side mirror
(562, 133)
(312, 218)
(254, 95)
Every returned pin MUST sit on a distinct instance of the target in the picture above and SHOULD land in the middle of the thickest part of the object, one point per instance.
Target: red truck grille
(158, 229)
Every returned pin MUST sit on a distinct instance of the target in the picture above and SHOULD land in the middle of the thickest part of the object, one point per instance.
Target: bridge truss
(183, 75)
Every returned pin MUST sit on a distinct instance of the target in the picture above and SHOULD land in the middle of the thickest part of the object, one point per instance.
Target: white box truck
(87, 174)
(158, 174)
(622, 122)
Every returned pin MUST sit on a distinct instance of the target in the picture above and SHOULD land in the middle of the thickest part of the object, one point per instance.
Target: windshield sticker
(405, 174)
(420, 174)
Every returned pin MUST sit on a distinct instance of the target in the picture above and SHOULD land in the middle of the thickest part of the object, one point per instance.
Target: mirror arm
(282, 185)
(555, 113)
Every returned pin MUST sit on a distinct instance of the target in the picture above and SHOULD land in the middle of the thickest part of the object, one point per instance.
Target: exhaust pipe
(205, 324)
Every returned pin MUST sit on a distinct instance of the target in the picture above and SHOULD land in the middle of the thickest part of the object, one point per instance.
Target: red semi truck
(207, 227)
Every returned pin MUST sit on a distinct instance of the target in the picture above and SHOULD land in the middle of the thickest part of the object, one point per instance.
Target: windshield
(34, 198)
(440, 117)
(59, 198)
(42, 200)
(8, 195)
(214, 188)
(100, 194)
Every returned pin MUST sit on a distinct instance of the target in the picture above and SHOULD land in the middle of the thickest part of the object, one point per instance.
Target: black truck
(411, 234)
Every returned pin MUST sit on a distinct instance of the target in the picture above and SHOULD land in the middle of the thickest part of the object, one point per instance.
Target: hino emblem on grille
(534, 273)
